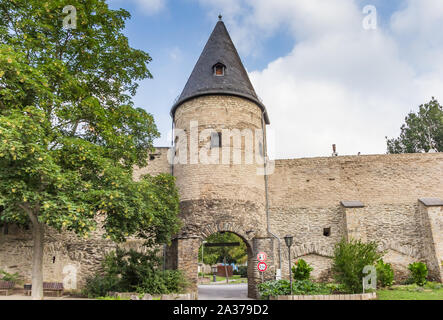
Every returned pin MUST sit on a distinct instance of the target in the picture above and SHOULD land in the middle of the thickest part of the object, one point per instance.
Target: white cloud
(175, 54)
(149, 7)
(341, 84)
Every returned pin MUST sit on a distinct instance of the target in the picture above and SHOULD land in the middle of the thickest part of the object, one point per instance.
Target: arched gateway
(219, 159)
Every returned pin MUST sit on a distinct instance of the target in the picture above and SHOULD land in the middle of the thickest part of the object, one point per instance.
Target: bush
(242, 271)
(132, 271)
(100, 285)
(307, 287)
(174, 280)
(349, 260)
(163, 282)
(385, 274)
(299, 287)
(12, 277)
(419, 273)
(274, 288)
(336, 288)
(301, 270)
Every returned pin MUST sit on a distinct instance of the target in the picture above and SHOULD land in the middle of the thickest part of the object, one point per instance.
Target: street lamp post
(288, 240)
(214, 273)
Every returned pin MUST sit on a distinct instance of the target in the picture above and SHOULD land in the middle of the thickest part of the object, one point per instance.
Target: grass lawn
(412, 292)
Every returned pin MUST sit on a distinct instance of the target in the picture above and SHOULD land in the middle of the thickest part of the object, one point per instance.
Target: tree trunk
(38, 234)
(226, 270)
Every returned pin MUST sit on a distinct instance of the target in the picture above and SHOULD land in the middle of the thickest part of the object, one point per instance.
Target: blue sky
(322, 77)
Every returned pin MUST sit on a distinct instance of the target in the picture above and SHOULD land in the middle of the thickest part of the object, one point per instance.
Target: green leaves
(69, 133)
(350, 258)
(385, 274)
(421, 132)
(130, 271)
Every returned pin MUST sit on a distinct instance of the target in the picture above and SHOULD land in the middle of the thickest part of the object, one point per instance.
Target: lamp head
(288, 240)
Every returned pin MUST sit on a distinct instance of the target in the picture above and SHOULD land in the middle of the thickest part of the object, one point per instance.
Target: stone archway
(238, 292)
(183, 254)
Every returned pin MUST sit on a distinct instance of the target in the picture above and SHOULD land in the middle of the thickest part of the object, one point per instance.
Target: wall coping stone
(431, 202)
(362, 296)
(352, 204)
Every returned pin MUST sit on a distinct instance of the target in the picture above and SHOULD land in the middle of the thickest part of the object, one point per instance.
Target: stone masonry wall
(157, 163)
(305, 197)
(222, 195)
(432, 219)
(67, 258)
(70, 251)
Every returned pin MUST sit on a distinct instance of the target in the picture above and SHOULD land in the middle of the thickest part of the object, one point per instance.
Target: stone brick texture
(304, 201)
(305, 197)
(364, 296)
(221, 197)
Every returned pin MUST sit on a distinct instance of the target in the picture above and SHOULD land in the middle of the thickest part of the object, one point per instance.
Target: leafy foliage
(274, 288)
(100, 285)
(69, 131)
(349, 260)
(418, 273)
(421, 132)
(307, 287)
(301, 270)
(385, 274)
(130, 271)
(242, 271)
(299, 287)
(336, 288)
(214, 255)
(13, 277)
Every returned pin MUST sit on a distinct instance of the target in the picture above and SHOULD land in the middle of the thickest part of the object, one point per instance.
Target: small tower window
(216, 140)
(219, 69)
(327, 232)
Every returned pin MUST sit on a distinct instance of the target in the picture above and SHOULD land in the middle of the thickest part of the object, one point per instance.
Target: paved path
(223, 292)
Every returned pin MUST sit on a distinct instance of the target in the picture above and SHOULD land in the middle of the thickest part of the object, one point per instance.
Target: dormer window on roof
(219, 69)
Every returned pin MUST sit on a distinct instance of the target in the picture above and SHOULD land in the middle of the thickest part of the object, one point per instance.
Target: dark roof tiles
(219, 49)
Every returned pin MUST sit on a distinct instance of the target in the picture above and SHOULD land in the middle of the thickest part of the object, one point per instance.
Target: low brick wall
(185, 296)
(363, 296)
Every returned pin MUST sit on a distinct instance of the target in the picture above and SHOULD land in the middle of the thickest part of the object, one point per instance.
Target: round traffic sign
(262, 267)
(262, 256)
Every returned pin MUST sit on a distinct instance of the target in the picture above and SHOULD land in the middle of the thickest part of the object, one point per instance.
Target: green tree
(214, 255)
(227, 255)
(69, 132)
(421, 132)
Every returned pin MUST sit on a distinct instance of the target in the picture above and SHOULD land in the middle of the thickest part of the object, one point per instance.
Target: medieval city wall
(68, 258)
(305, 201)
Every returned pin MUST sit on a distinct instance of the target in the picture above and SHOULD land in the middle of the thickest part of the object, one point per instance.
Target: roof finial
(220, 17)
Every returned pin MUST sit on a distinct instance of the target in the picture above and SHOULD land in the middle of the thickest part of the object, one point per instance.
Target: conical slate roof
(235, 81)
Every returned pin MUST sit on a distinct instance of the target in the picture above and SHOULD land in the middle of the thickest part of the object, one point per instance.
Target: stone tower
(220, 147)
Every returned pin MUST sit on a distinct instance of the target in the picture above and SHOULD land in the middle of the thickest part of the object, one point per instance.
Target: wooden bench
(48, 287)
(6, 286)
